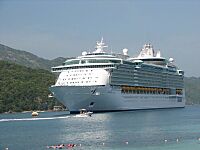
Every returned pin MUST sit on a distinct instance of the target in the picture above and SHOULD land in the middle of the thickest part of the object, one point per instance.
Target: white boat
(102, 81)
(84, 113)
(34, 114)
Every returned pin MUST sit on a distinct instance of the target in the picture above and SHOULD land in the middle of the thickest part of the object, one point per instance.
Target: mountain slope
(27, 59)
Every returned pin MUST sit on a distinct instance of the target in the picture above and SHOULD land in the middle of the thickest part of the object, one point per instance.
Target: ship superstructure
(116, 82)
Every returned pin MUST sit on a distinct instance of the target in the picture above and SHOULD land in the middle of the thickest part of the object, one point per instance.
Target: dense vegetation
(192, 89)
(23, 88)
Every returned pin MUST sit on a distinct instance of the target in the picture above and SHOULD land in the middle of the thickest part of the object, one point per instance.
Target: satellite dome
(125, 51)
(171, 60)
(84, 53)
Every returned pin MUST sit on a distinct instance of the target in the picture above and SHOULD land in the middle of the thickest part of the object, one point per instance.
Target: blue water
(132, 130)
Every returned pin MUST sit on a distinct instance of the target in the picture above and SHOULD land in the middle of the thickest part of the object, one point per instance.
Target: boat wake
(81, 116)
(32, 119)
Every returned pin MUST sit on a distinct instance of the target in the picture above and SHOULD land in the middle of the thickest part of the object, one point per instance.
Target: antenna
(111, 50)
(99, 47)
(102, 40)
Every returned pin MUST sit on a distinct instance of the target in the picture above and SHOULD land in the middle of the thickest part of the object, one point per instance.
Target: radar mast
(100, 46)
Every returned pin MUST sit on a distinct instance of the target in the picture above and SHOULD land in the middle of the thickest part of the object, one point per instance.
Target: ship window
(100, 61)
(83, 61)
(127, 62)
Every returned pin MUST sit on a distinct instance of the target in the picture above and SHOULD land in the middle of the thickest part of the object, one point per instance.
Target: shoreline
(30, 111)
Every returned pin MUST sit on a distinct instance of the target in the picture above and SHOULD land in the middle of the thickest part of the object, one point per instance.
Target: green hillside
(23, 88)
(27, 59)
(192, 89)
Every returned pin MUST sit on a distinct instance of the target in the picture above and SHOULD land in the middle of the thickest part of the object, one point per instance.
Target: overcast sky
(53, 28)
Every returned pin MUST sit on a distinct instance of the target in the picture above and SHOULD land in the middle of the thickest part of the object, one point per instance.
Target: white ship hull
(107, 98)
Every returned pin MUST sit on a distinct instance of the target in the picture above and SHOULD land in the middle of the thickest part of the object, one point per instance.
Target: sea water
(161, 129)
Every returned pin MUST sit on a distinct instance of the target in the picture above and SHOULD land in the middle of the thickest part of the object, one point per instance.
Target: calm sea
(174, 129)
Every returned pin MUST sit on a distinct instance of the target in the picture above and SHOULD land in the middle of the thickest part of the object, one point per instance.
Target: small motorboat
(35, 114)
(84, 113)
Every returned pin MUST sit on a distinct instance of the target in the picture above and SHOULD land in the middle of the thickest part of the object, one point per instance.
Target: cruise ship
(101, 82)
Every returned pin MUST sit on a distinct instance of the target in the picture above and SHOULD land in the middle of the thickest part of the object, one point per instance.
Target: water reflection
(119, 130)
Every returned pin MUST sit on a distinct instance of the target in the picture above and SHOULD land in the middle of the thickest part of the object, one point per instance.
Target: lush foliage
(23, 88)
(192, 89)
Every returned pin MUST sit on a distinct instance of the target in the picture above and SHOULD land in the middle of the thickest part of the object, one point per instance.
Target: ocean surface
(161, 129)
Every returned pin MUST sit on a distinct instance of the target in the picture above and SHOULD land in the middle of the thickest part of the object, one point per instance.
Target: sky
(54, 28)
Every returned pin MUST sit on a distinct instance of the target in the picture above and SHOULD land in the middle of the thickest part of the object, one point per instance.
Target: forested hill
(192, 89)
(27, 59)
(23, 88)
